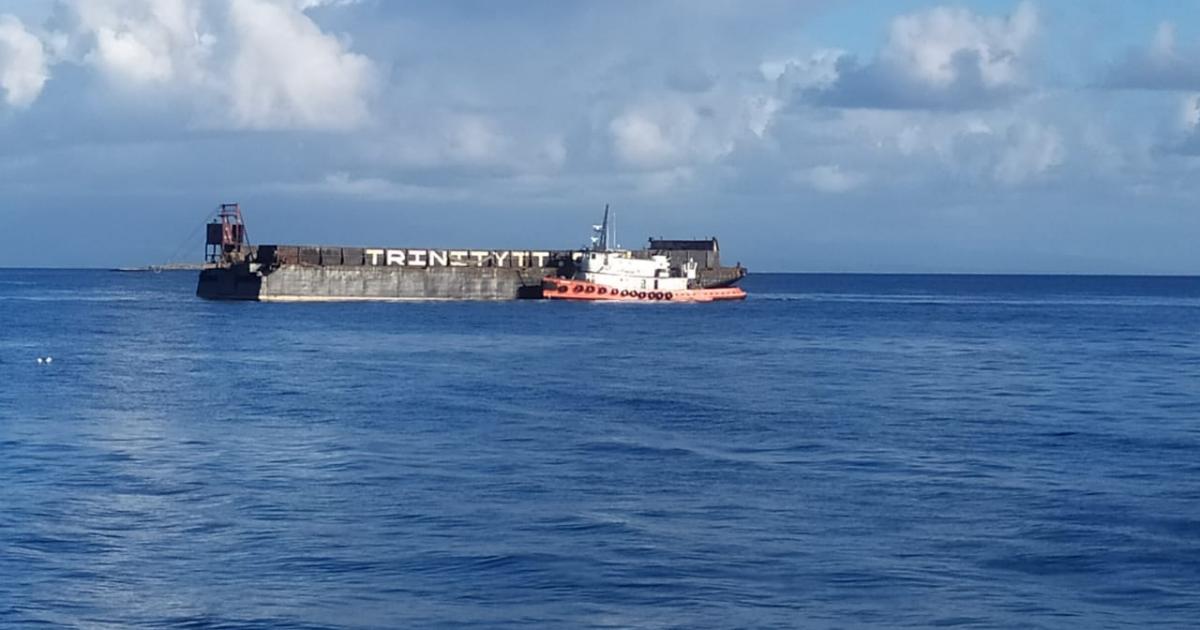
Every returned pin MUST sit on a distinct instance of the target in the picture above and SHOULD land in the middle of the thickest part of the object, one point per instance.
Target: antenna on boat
(612, 228)
(607, 231)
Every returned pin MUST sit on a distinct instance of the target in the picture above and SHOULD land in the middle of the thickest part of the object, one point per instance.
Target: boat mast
(604, 235)
(612, 234)
(600, 234)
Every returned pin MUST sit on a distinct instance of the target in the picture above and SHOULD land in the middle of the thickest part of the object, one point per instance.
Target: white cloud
(643, 139)
(137, 42)
(304, 5)
(1185, 137)
(1189, 112)
(759, 112)
(943, 58)
(1164, 65)
(1164, 41)
(553, 151)
(474, 139)
(343, 184)
(663, 133)
(858, 148)
(23, 68)
(829, 178)
(1029, 152)
(664, 181)
(287, 73)
(128, 56)
(1004, 149)
(443, 145)
(818, 70)
(251, 64)
(937, 47)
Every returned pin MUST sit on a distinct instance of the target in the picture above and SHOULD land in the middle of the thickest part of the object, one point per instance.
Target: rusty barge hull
(330, 283)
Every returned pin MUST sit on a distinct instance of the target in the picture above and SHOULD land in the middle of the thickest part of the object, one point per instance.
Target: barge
(236, 270)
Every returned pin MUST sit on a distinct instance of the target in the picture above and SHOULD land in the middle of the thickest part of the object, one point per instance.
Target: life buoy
(590, 289)
(668, 295)
(578, 288)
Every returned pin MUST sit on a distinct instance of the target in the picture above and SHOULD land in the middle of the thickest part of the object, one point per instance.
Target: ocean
(837, 451)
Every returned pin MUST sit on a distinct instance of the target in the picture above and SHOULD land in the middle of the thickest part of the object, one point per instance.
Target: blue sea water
(835, 452)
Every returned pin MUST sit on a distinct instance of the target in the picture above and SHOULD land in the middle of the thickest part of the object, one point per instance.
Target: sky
(994, 136)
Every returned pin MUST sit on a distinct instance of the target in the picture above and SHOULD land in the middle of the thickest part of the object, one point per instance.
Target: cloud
(376, 189)
(246, 64)
(944, 58)
(641, 139)
(905, 151)
(286, 73)
(1189, 113)
(690, 80)
(142, 42)
(429, 140)
(474, 139)
(667, 134)
(664, 134)
(663, 181)
(1164, 65)
(1186, 140)
(817, 71)
(1029, 152)
(1006, 150)
(829, 178)
(23, 66)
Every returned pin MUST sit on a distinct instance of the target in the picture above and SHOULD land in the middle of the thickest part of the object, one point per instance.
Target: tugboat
(608, 273)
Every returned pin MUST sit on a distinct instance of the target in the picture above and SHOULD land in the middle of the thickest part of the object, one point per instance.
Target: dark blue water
(836, 451)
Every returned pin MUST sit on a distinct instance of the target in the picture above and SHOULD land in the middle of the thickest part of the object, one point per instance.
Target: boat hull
(581, 290)
(304, 283)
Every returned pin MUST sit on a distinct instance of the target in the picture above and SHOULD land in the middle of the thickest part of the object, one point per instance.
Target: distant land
(196, 266)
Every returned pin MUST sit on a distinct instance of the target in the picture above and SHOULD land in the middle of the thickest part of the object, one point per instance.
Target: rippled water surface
(836, 451)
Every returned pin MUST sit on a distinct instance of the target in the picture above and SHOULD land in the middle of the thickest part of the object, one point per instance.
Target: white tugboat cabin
(620, 270)
(609, 273)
